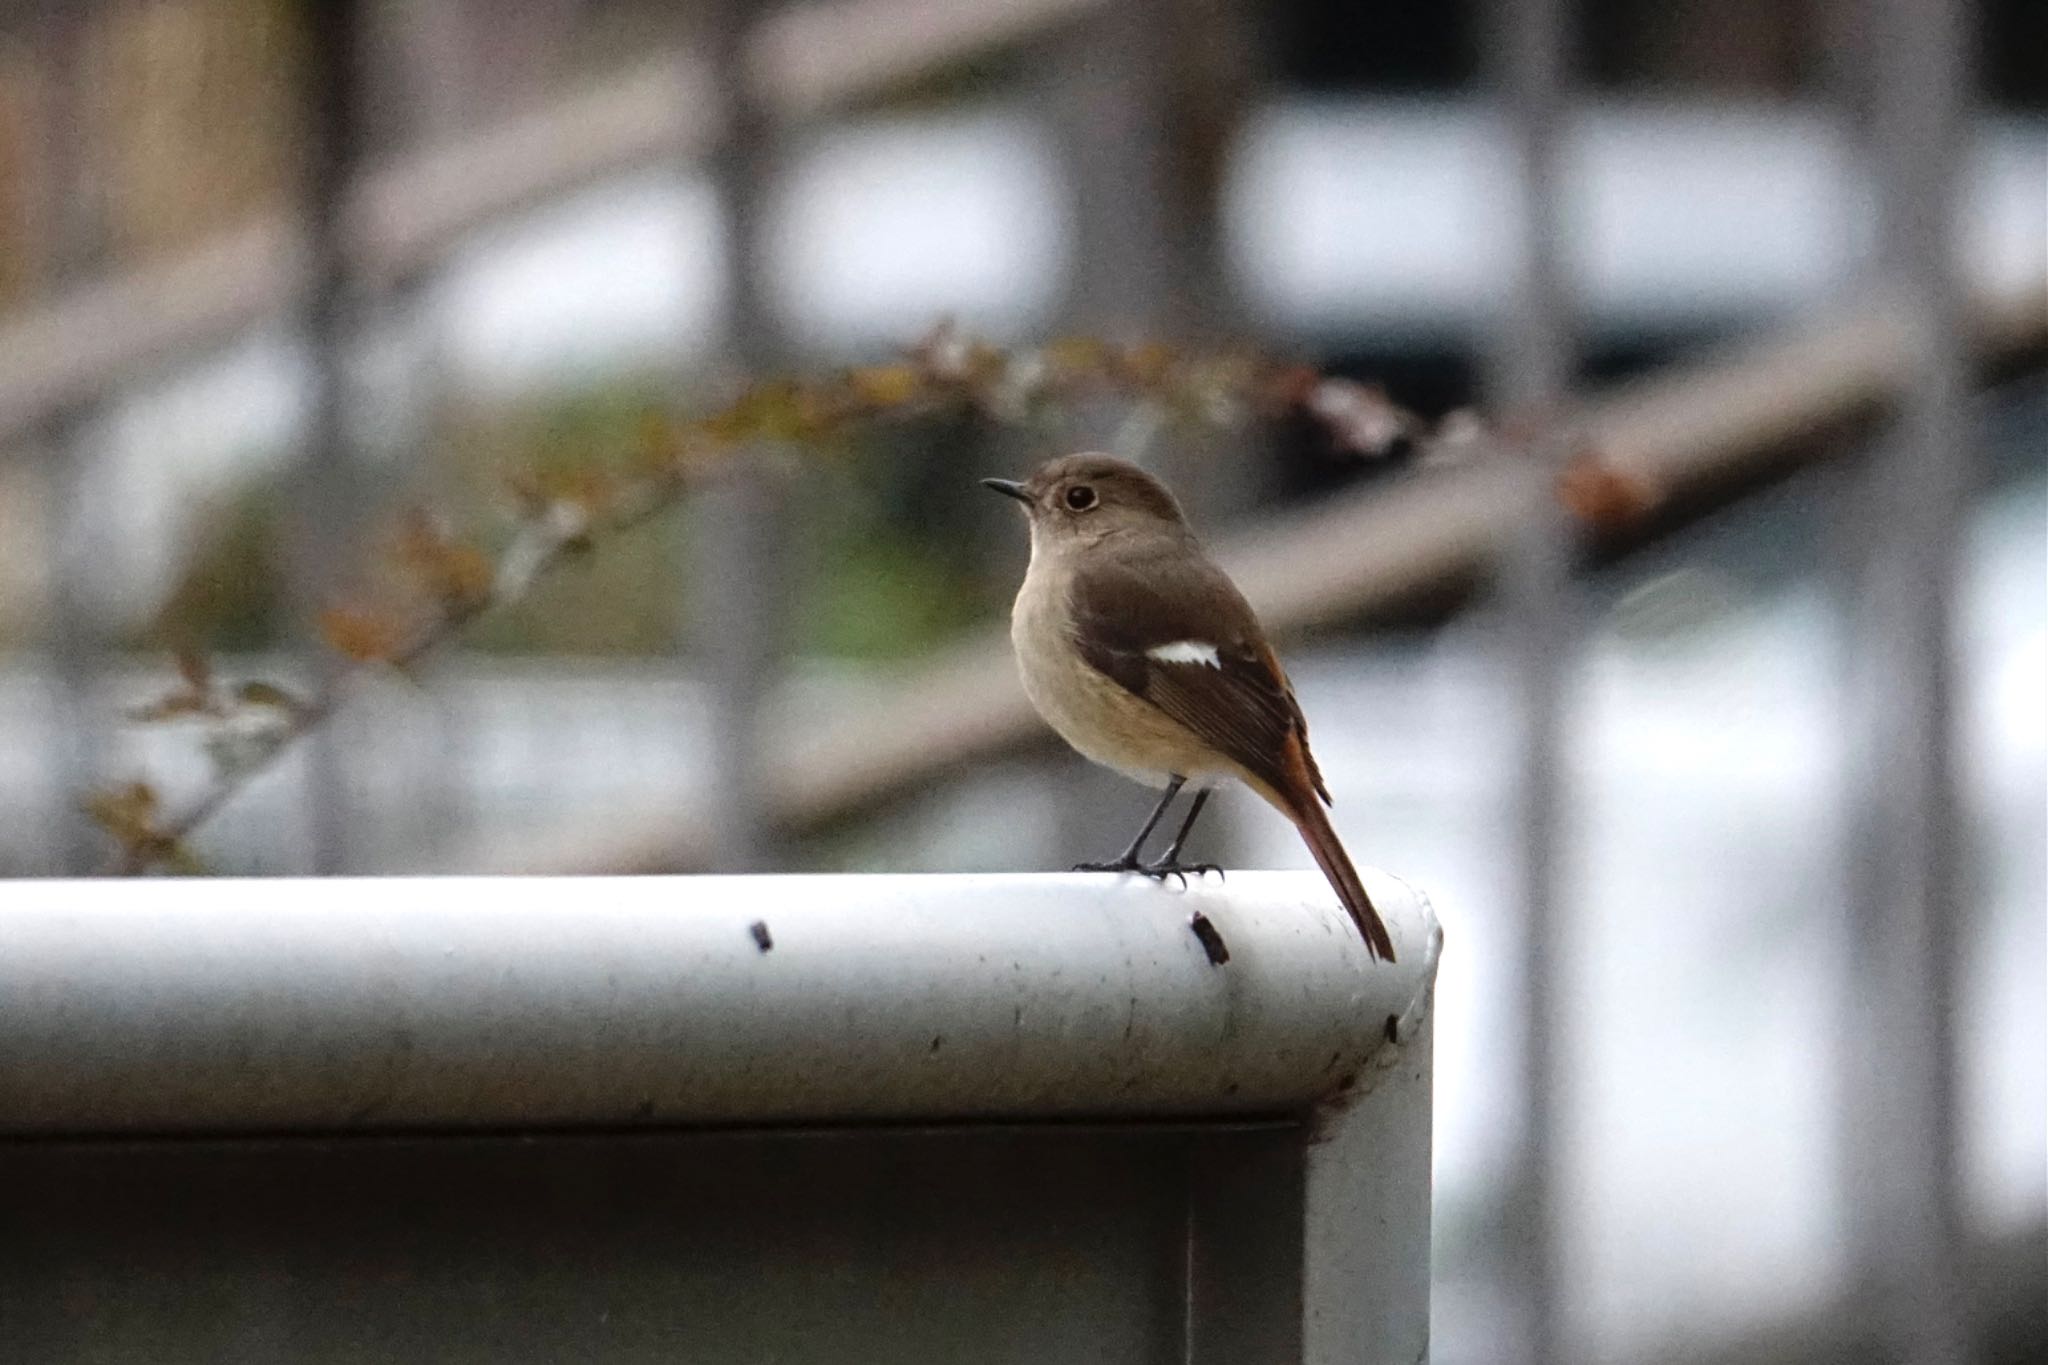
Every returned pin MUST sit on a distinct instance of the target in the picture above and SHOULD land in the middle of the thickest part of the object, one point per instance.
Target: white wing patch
(1186, 652)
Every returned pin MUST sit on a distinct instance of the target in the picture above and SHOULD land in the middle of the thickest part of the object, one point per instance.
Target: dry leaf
(1075, 355)
(454, 572)
(1289, 386)
(361, 635)
(661, 450)
(1602, 496)
(195, 669)
(1147, 364)
(195, 698)
(884, 386)
(128, 814)
(266, 694)
(125, 812)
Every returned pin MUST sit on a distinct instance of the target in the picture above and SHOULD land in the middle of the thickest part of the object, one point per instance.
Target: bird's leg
(1170, 865)
(1127, 861)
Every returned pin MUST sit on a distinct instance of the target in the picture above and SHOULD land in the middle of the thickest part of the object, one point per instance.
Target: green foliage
(894, 564)
(230, 589)
(888, 599)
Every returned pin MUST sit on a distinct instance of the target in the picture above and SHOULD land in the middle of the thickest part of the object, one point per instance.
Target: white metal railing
(174, 1013)
(347, 1003)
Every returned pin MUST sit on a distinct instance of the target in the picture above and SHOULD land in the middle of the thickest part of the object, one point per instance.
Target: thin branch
(449, 583)
(541, 543)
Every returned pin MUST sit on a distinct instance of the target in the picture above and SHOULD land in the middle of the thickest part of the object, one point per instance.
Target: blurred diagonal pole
(324, 503)
(1908, 882)
(1530, 367)
(735, 587)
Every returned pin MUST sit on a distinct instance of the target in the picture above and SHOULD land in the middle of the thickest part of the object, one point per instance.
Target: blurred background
(1733, 808)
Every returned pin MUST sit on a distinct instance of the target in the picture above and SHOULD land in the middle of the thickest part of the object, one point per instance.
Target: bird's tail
(1336, 865)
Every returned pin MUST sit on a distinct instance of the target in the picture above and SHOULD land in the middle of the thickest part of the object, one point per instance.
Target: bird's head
(1082, 498)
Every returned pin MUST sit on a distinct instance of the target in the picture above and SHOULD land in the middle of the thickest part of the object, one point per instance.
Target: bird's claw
(1158, 871)
(1163, 869)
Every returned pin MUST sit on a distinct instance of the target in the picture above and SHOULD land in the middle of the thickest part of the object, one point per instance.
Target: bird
(1143, 655)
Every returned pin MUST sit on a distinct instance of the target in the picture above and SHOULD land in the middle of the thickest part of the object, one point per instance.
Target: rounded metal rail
(338, 1004)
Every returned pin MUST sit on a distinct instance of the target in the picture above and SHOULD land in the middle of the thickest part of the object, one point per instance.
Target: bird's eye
(1080, 497)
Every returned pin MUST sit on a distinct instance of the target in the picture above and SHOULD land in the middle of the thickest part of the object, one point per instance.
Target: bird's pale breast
(1089, 710)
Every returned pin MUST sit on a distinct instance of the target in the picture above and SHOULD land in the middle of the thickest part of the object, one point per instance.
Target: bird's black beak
(1009, 486)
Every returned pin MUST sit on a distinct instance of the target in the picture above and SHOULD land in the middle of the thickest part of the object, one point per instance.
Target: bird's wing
(1176, 632)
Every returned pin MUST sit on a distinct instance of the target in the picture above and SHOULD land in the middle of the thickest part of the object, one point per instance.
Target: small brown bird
(1147, 659)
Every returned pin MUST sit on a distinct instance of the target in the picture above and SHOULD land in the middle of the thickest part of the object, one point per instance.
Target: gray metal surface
(1365, 1230)
(349, 1004)
(1163, 1245)
(1532, 365)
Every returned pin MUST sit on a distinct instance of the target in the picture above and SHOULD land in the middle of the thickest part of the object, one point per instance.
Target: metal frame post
(1907, 878)
(326, 492)
(75, 742)
(1530, 366)
(737, 590)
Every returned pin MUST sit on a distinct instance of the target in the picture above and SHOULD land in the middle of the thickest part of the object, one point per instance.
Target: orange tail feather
(1336, 865)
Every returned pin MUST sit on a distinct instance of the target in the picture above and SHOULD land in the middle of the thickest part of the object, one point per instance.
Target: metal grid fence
(356, 233)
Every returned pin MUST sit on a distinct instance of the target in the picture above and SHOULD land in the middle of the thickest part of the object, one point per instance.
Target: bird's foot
(1124, 864)
(1158, 871)
(1173, 867)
